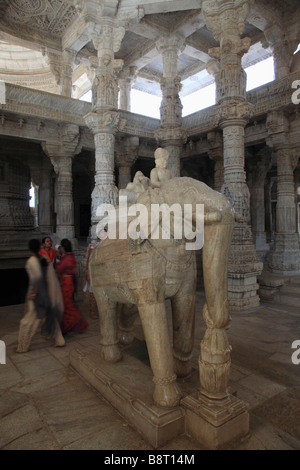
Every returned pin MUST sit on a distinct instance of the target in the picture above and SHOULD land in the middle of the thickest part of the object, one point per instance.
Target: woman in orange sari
(72, 319)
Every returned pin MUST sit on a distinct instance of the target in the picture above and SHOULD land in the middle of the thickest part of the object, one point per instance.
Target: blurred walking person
(44, 302)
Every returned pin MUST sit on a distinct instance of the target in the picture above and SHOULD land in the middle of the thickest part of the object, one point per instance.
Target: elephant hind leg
(109, 348)
(126, 317)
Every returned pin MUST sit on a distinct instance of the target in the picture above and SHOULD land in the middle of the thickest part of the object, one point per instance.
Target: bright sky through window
(257, 75)
(146, 104)
(260, 73)
(32, 196)
(199, 100)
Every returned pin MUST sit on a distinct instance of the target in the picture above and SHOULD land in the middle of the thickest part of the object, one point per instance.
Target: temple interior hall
(88, 91)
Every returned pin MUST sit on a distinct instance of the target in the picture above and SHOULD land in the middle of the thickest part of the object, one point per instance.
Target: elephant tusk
(212, 217)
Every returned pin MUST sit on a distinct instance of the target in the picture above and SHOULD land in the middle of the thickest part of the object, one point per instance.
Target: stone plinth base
(215, 424)
(128, 387)
(269, 285)
(242, 291)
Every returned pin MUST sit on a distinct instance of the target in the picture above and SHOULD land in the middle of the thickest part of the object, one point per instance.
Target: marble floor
(46, 405)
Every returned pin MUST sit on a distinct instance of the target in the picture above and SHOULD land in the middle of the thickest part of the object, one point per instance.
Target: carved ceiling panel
(49, 16)
(45, 24)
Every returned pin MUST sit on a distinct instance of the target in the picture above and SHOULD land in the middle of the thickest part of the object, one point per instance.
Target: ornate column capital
(169, 46)
(108, 39)
(171, 136)
(170, 42)
(291, 156)
(232, 112)
(66, 144)
(226, 17)
(128, 73)
(61, 66)
(277, 125)
(104, 122)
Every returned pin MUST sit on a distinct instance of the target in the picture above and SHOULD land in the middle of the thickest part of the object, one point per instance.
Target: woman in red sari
(72, 319)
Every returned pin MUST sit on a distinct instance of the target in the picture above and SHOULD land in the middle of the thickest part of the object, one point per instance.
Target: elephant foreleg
(216, 246)
(214, 360)
(108, 328)
(154, 321)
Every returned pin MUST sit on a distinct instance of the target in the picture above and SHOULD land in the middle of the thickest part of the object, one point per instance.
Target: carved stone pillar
(227, 21)
(260, 168)
(221, 415)
(171, 135)
(61, 152)
(243, 267)
(125, 158)
(104, 120)
(67, 68)
(215, 153)
(282, 48)
(285, 255)
(126, 80)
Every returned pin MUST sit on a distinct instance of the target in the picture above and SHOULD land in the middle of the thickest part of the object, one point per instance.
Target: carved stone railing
(273, 96)
(35, 114)
(139, 125)
(42, 105)
(47, 106)
(199, 122)
(26, 102)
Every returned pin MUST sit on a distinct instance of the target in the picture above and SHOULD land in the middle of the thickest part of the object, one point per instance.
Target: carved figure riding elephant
(143, 272)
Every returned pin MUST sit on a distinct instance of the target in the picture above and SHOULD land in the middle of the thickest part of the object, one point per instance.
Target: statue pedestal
(128, 387)
(215, 423)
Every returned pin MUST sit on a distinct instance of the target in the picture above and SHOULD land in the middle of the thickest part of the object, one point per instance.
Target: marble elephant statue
(140, 274)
